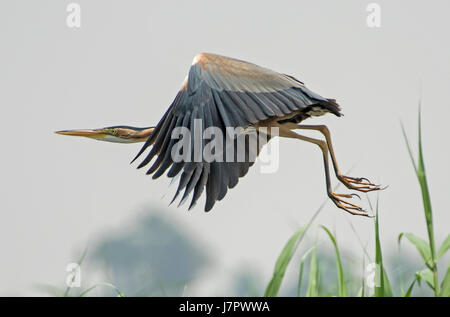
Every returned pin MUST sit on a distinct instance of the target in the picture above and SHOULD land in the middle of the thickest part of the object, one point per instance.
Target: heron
(225, 92)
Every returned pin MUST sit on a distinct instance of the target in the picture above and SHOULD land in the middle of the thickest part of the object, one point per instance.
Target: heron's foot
(347, 206)
(358, 183)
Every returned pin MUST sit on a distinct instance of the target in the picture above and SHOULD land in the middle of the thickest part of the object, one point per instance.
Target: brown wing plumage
(223, 92)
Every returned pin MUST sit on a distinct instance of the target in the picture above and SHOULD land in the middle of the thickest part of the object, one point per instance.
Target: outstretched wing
(223, 92)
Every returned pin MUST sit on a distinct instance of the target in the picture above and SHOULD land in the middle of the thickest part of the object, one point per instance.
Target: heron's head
(117, 134)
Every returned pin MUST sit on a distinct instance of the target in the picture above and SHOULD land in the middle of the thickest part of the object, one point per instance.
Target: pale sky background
(125, 65)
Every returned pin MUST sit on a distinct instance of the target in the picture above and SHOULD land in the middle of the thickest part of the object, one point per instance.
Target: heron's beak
(93, 134)
(117, 134)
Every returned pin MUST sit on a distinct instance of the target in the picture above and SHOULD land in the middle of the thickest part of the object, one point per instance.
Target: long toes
(353, 210)
(362, 183)
(360, 213)
(362, 187)
(344, 203)
(366, 189)
(347, 195)
(343, 195)
(359, 181)
(348, 206)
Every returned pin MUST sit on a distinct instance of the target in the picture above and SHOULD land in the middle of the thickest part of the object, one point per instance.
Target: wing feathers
(200, 186)
(164, 146)
(222, 92)
(167, 161)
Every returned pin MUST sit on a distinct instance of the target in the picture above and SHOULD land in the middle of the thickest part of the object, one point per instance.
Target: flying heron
(225, 92)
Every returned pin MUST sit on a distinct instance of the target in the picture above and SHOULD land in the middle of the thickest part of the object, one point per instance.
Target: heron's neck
(141, 134)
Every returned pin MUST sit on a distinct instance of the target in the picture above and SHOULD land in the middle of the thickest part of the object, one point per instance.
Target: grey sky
(125, 65)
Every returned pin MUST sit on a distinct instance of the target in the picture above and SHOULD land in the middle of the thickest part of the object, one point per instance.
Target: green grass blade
(387, 285)
(383, 289)
(318, 279)
(427, 276)
(445, 246)
(313, 283)
(275, 283)
(360, 293)
(421, 175)
(379, 289)
(300, 274)
(278, 275)
(300, 279)
(422, 178)
(410, 288)
(363, 284)
(340, 270)
(411, 156)
(445, 286)
(421, 245)
(282, 262)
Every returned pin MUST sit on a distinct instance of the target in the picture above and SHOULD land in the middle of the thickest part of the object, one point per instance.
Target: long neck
(134, 135)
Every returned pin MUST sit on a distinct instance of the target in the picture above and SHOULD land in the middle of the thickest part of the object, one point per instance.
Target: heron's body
(223, 93)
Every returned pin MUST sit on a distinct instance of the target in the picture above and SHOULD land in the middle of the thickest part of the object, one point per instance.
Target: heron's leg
(357, 183)
(347, 206)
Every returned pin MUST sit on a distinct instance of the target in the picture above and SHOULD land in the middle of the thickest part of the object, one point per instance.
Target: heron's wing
(222, 92)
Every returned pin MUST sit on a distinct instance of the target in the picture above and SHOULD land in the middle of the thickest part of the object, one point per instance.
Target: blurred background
(60, 196)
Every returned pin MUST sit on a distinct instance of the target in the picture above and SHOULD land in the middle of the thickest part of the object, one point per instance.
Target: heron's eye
(110, 131)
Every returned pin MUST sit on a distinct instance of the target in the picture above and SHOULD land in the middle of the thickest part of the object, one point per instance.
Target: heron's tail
(333, 107)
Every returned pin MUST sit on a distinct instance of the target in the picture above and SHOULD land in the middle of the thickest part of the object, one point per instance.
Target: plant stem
(421, 175)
